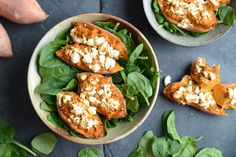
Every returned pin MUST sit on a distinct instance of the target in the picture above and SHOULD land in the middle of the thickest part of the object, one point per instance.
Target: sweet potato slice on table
(88, 59)
(79, 115)
(206, 76)
(189, 14)
(187, 92)
(225, 95)
(91, 35)
(102, 94)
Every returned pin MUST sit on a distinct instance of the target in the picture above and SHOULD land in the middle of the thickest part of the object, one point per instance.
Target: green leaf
(63, 35)
(135, 54)
(173, 146)
(47, 58)
(128, 91)
(11, 150)
(111, 123)
(137, 153)
(171, 129)
(226, 15)
(48, 107)
(71, 86)
(90, 152)
(188, 147)
(6, 132)
(44, 143)
(160, 147)
(132, 105)
(209, 152)
(141, 83)
(56, 120)
(49, 99)
(52, 86)
(145, 145)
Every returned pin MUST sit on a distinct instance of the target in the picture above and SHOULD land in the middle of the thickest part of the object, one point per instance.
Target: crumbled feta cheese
(87, 58)
(90, 42)
(102, 59)
(83, 77)
(184, 23)
(77, 109)
(75, 57)
(92, 110)
(109, 63)
(95, 67)
(215, 2)
(91, 123)
(99, 40)
(101, 92)
(116, 53)
(167, 80)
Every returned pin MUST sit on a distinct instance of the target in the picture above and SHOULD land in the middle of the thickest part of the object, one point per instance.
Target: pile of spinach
(137, 81)
(225, 15)
(171, 144)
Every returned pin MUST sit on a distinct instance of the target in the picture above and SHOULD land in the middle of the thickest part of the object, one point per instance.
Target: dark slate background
(16, 108)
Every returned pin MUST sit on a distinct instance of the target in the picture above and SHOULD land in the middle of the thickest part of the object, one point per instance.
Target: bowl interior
(123, 129)
(189, 41)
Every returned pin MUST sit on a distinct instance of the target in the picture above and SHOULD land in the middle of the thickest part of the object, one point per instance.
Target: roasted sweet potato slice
(102, 94)
(215, 4)
(79, 115)
(89, 34)
(225, 95)
(88, 59)
(206, 76)
(187, 92)
(191, 15)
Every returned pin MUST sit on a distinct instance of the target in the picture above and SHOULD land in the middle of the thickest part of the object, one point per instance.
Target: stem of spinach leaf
(24, 147)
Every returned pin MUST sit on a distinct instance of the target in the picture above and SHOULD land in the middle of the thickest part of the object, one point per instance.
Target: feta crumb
(109, 63)
(75, 57)
(92, 110)
(99, 40)
(83, 77)
(167, 80)
(90, 42)
(87, 58)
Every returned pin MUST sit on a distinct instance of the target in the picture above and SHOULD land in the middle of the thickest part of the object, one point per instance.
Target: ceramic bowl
(124, 128)
(188, 40)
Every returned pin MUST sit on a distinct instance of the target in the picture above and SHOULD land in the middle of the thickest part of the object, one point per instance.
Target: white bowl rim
(155, 93)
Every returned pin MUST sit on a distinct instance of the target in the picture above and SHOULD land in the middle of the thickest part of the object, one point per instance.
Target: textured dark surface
(15, 105)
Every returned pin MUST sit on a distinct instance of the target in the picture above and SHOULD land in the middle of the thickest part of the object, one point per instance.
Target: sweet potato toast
(79, 115)
(89, 34)
(225, 95)
(88, 59)
(191, 15)
(187, 92)
(206, 76)
(102, 94)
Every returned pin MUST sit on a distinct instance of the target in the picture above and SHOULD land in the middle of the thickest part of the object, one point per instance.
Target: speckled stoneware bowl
(123, 129)
(188, 41)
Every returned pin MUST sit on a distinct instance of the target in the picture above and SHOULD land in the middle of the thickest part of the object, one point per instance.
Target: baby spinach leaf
(101, 24)
(63, 35)
(52, 86)
(71, 86)
(111, 123)
(128, 91)
(164, 121)
(90, 152)
(160, 147)
(44, 143)
(48, 107)
(49, 99)
(135, 54)
(141, 83)
(171, 129)
(188, 147)
(6, 132)
(226, 15)
(56, 120)
(47, 56)
(209, 152)
(132, 105)
(11, 150)
(137, 153)
(145, 145)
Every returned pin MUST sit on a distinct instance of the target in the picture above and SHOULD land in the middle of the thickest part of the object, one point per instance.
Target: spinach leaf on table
(44, 143)
(144, 146)
(188, 147)
(209, 152)
(171, 129)
(90, 152)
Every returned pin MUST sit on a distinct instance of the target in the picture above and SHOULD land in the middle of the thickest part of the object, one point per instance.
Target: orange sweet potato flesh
(90, 31)
(211, 5)
(64, 111)
(22, 11)
(204, 26)
(170, 90)
(82, 65)
(206, 84)
(220, 94)
(5, 43)
(109, 113)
